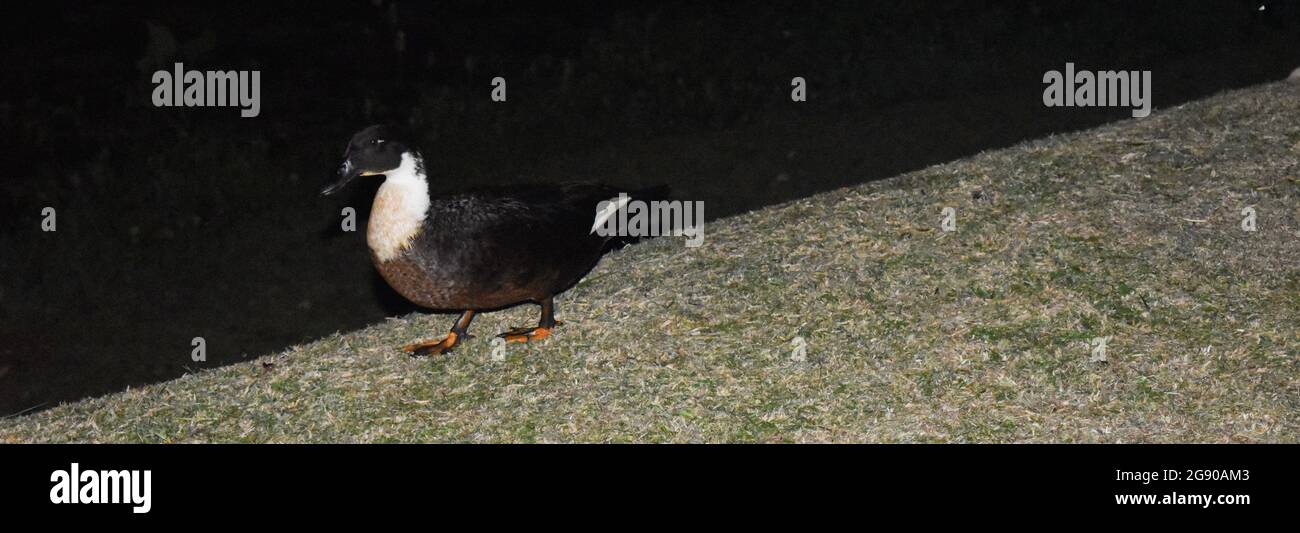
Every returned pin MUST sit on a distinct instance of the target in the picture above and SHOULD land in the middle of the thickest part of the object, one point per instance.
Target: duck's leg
(458, 332)
(543, 329)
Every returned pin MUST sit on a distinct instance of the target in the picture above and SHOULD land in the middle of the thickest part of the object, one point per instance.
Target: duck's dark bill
(347, 173)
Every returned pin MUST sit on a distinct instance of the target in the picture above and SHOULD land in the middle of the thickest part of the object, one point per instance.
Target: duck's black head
(372, 151)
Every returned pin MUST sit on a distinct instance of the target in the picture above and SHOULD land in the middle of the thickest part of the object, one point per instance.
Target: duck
(481, 249)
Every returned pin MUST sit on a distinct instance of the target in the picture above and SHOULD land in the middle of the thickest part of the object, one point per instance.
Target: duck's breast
(397, 216)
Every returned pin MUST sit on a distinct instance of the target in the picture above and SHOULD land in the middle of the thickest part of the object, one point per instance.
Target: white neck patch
(400, 208)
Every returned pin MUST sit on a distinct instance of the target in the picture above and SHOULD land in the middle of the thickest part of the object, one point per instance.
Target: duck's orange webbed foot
(435, 347)
(526, 335)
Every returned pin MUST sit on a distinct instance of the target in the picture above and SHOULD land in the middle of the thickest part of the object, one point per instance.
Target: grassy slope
(1130, 231)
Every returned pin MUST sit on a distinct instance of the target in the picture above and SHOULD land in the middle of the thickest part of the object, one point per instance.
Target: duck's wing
(555, 195)
(532, 239)
(559, 209)
(544, 211)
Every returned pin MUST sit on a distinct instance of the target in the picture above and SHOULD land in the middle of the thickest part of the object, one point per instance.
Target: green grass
(1129, 231)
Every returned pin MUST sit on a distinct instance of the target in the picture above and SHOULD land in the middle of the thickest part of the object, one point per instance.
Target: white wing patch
(612, 206)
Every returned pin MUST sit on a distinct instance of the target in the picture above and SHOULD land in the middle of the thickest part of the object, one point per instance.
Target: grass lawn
(1130, 232)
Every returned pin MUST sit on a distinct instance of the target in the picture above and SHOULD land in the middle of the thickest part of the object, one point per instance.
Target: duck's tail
(657, 193)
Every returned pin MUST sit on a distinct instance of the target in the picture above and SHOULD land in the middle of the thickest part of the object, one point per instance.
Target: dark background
(182, 222)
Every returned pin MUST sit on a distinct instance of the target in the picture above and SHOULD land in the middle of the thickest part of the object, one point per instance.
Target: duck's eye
(377, 142)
